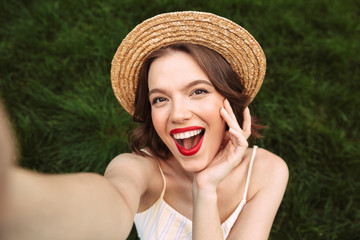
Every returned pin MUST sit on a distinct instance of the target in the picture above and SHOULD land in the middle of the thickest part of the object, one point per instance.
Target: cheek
(211, 114)
(211, 111)
(158, 122)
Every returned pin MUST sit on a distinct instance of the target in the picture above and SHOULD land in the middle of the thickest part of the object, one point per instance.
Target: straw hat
(233, 42)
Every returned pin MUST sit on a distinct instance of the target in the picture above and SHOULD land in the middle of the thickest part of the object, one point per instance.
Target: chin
(193, 169)
(194, 165)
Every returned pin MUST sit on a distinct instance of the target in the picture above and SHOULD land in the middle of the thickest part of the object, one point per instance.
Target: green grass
(55, 61)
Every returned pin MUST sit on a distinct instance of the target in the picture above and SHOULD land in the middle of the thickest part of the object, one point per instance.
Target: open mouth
(190, 139)
(188, 142)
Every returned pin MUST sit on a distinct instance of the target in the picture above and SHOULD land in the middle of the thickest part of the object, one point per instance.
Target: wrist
(206, 219)
(204, 191)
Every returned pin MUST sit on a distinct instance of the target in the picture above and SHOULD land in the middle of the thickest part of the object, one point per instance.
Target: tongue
(189, 143)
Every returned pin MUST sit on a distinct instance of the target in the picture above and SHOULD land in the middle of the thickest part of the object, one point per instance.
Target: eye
(158, 100)
(199, 91)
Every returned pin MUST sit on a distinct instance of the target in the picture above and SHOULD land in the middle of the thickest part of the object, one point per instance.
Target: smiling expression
(185, 109)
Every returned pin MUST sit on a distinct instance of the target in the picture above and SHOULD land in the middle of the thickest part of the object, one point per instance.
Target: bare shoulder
(138, 170)
(269, 162)
(269, 170)
(132, 161)
(134, 164)
(138, 175)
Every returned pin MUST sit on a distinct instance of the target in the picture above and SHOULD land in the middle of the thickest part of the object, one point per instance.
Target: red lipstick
(190, 152)
(185, 129)
(182, 150)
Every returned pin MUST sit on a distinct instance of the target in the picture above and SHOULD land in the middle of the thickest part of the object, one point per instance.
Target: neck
(177, 169)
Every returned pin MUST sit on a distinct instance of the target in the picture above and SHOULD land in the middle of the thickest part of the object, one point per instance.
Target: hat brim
(233, 42)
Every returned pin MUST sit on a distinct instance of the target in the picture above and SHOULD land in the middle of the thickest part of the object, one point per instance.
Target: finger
(229, 119)
(225, 139)
(228, 108)
(238, 138)
(240, 144)
(246, 123)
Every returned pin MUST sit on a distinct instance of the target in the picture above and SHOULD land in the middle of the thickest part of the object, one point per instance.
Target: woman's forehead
(176, 68)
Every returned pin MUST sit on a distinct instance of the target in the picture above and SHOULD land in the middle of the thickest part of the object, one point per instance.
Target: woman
(188, 77)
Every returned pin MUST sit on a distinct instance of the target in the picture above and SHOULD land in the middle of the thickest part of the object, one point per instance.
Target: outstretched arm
(7, 157)
(73, 206)
(79, 206)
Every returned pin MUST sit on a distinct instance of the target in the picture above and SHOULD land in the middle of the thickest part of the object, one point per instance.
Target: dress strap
(163, 177)
(249, 172)
(161, 171)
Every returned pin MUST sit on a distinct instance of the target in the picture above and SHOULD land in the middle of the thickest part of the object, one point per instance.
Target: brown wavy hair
(219, 72)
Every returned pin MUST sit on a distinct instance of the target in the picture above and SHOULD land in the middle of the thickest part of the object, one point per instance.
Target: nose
(180, 112)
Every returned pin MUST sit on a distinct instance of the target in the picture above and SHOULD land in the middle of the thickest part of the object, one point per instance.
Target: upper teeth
(187, 134)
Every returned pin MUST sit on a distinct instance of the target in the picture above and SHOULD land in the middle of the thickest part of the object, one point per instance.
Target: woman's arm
(36, 206)
(73, 206)
(206, 219)
(267, 186)
(7, 158)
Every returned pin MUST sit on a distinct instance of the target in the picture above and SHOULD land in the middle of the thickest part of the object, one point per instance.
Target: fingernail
(231, 130)
(227, 101)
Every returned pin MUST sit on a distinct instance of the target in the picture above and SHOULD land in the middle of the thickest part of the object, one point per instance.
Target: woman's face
(185, 110)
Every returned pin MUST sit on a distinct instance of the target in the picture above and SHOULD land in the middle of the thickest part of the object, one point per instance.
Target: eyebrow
(189, 85)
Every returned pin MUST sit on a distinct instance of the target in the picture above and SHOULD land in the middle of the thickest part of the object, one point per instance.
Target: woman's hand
(231, 152)
(206, 219)
(7, 157)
